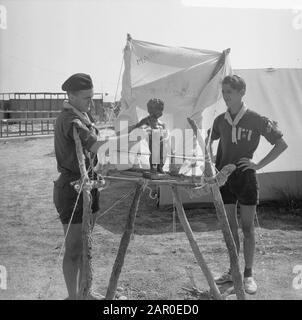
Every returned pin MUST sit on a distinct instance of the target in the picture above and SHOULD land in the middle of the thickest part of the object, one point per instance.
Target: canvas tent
(189, 82)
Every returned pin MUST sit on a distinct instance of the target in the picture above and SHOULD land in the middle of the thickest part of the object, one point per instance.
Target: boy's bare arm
(143, 122)
(278, 148)
(139, 124)
(94, 148)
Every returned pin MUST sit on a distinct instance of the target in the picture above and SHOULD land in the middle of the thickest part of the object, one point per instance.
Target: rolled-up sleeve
(269, 129)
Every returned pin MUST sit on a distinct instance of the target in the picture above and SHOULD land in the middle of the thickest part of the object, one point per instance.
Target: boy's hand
(245, 164)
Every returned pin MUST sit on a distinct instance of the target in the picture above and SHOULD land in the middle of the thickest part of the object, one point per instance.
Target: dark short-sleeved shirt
(248, 132)
(65, 149)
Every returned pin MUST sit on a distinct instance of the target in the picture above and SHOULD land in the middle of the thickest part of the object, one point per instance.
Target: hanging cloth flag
(187, 80)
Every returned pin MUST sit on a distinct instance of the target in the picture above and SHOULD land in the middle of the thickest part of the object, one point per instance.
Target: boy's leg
(247, 218)
(248, 196)
(247, 214)
(230, 205)
(231, 212)
(72, 258)
(161, 154)
(153, 168)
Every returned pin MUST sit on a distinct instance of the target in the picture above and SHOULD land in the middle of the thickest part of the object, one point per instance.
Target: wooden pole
(209, 171)
(198, 255)
(86, 268)
(227, 234)
(125, 240)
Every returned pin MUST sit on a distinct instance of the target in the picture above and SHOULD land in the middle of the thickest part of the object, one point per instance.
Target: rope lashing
(89, 184)
(150, 190)
(125, 196)
(220, 179)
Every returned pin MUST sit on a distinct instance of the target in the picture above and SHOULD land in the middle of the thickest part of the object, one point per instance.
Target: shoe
(119, 296)
(95, 296)
(224, 278)
(250, 285)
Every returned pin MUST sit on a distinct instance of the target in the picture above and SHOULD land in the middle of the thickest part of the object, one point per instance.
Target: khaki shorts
(65, 196)
(242, 186)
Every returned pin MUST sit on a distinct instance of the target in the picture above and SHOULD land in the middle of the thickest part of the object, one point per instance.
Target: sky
(43, 42)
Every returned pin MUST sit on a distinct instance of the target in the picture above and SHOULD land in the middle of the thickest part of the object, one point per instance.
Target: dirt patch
(158, 259)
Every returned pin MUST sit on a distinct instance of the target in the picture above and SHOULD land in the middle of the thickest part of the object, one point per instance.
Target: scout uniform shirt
(65, 149)
(248, 131)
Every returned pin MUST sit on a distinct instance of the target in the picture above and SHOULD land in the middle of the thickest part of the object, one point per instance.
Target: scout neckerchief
(83, 116)
(234, 122)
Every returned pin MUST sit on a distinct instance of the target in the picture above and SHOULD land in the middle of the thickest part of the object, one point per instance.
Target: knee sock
(247, 272)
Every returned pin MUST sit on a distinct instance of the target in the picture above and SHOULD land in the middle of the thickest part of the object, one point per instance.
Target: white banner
(187, 80)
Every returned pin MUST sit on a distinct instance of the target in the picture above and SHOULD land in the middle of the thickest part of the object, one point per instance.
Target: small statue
(157, 131)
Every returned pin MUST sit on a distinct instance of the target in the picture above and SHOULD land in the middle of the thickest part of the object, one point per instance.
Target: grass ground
(158, 259)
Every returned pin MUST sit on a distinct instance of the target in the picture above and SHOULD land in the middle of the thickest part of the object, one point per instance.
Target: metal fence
(25, 114)
(26, 126)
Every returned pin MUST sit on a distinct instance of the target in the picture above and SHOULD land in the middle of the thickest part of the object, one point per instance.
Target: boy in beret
(76, 112)
(239, 130)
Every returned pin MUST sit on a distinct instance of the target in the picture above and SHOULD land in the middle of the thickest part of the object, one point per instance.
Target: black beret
(77, 82)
